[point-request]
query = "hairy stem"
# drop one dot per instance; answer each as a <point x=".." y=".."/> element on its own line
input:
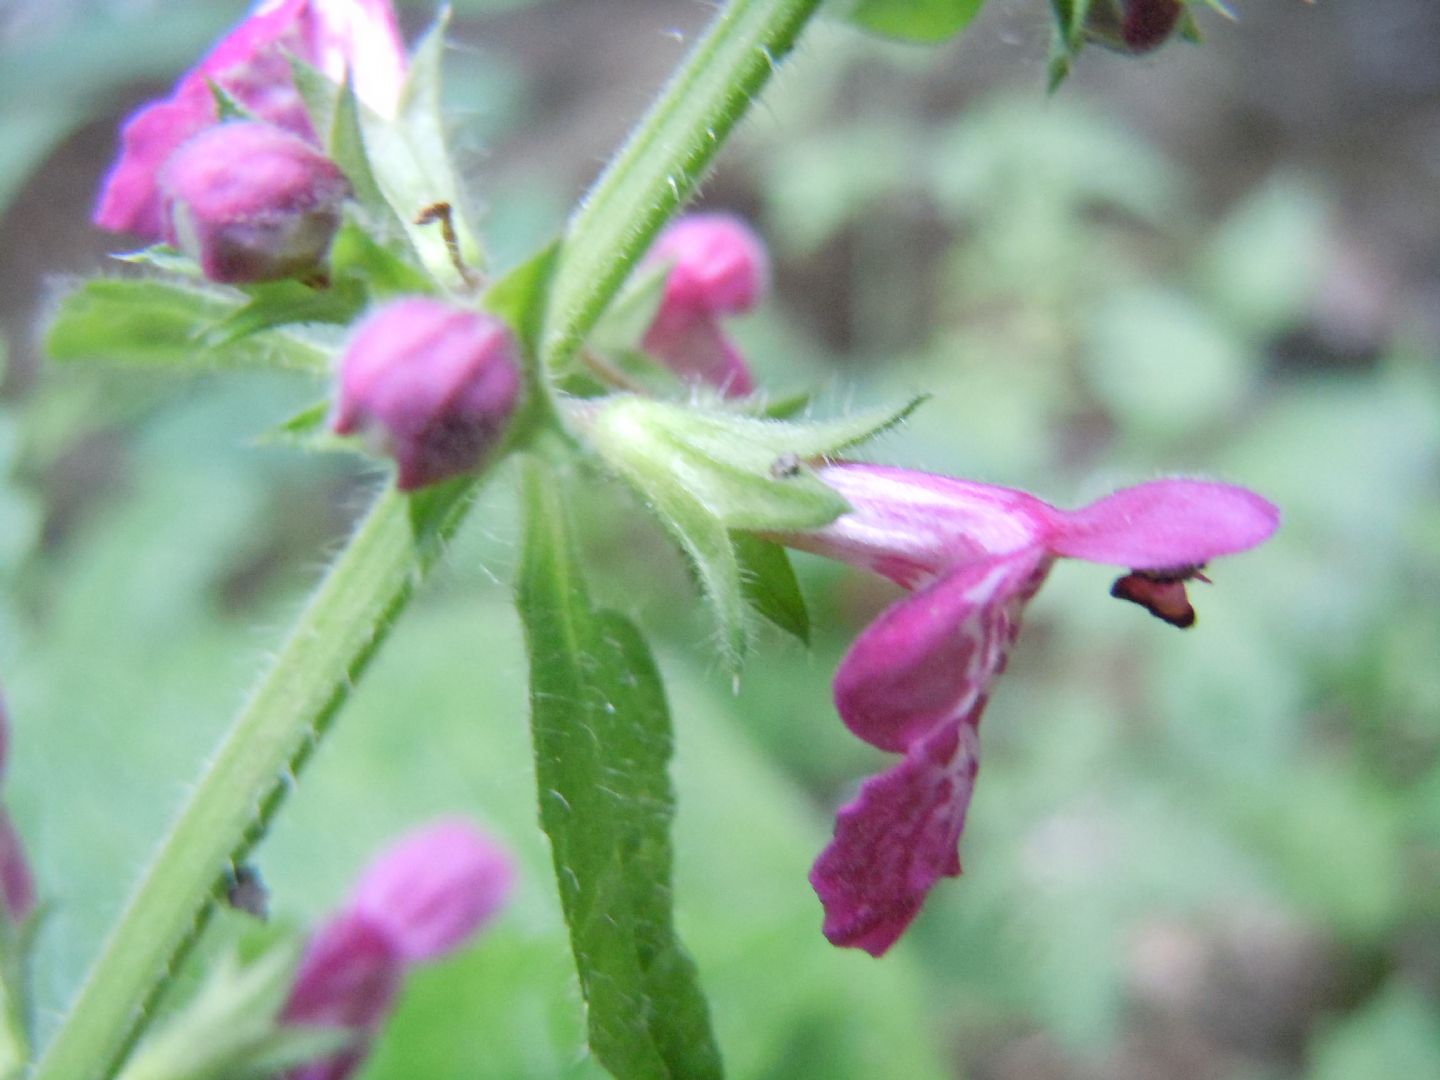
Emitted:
<point x="369" y="583"/>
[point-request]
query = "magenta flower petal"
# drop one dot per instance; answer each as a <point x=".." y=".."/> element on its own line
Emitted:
<point x="931" y="657"/>
<point x="718" y="266"/>
<point x="912" y="526"/>
<point x="1165" y="524"/>
<point x="130" y="198"/>
<point x="695" y="348"/>
<point x="348" y="978"/>
<point x="434" y="888"/>
<point x="897" y="839"/>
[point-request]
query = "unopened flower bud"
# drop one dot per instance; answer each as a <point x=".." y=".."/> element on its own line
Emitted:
<point x="1132" y="26"/>
<point x="420" y="898"/>
<point x="251" y="202"/>
<point x="438" y="383"/>
<point x="348" y="978"/>
<point x="718" y="266"/>
<point x="434" y="888"/>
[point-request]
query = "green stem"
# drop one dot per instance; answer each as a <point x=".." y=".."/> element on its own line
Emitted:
<point x="664" y="158"/>
<point x="329" y="647"/>
<point x="368" y="585"/>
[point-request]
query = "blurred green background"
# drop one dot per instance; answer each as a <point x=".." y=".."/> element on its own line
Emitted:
<point x="1203" y="854"/>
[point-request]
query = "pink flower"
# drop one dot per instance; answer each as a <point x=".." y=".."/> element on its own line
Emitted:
<point x="718" y="267"/>
<point x="434" y="887"/>
<point x="419" y="899"/>
<point x="251" y="64"/>
<point x="439" y="384"/>
<point x="348" y="978"/>
<point x="251" y="202"/>
<point x="916" y="680"/>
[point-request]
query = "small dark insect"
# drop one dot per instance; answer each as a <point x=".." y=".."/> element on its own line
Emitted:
<point x="1161" y="592"/>
<point x="244" y="891"/>
<point x="785" y="466"/>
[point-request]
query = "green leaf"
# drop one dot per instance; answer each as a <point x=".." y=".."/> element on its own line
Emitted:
<point x="602" y="740"/>
<point x="1068" y="38"/>
<point x="412" y="164"/>
<point x="280" y="303"/>
<point x="436" y="508"/>
<point x="914" y="20"/>
<point x="162" y="257"/>
<point x="768" y="583"/>
<point x="161" y="324"/>
<point x="519" y="297"/>
<point x="334" y="110"/>
<point x="226" y="107"/>
<point x="346" y="145"/>
<point x="357" y="255"/>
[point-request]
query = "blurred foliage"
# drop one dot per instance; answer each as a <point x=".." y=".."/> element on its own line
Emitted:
<point x="1231" y="833"/>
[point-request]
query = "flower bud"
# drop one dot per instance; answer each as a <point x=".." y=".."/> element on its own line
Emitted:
<point x="348" y="978"/>
<point x="251" y="202"/>
<point x="438" y="382"/>
<point x="718" y="266"/>
<point x="1132" y="26"/>
<point x="434" y="888"/>
<point x="350" y="39"/>
<point x="421" y="897"/>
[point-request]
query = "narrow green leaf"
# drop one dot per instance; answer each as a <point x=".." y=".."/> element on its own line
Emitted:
<point x="384" y="270"/>
<point x="346" y="145"/>
<point x="788" y="405"/>
<point x="320" y="95"/>
<point x="435" y="509"/>
<point x="412" y="164"/>
<point x="1067" y="40"/>
<point x="768" y="583"/>
<point x="335" y="111"/>
<point x="518" y="297"/>
<point x="710" y="548"/>
<point x="226" y="107"/>
<point x="280" y="303"/>
<point x="306" y="429"/>
<point x="602" y="750"/>
<point x="162" y="257"/>
<point x="914" y="20"/>
<point x="161" y="324"/>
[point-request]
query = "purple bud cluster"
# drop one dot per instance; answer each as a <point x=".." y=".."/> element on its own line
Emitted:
<point x="252" y="200"/>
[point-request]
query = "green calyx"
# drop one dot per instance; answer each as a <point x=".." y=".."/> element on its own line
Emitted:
<point x="707" y="471"/>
